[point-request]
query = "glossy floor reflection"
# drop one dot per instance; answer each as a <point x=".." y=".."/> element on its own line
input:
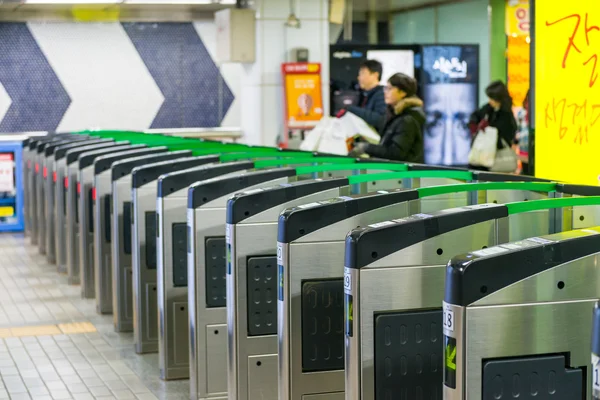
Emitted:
<point x="53" y="344"/>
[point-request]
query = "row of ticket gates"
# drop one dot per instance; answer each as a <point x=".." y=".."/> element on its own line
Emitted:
<point x="264" y="274"/>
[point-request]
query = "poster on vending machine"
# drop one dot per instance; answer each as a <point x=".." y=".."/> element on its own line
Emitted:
<point x="7" y="173"/>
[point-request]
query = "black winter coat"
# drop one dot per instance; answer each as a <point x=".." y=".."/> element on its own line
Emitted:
<point x="503" y="120"/>
<point x="374" y="106"/>
<point x="401" y="136"/>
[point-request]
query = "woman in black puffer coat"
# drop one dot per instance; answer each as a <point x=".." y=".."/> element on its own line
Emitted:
<point x="401" y="130"/>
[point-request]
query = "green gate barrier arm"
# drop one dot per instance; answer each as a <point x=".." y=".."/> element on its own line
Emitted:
<point x="208" y="146"/>
<point x="472" y="187"/>
<point x="356" y="167"/>
<point x="447" y="174"/>
<point x="244" y="153"/>
<point x="535" y="205"/>
<point x="320" y="160"/>
<point x="262" y="153"/>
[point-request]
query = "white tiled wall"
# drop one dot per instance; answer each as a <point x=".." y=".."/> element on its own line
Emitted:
<point x="262" y="93"/>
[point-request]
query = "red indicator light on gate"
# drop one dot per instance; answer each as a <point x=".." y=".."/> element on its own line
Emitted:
<point x="45" y="173"/>
<point x="54" y="177"/>
<point x="66" y="183"/>
<point x="94" y="194"/>
<point x="78" y="188"/>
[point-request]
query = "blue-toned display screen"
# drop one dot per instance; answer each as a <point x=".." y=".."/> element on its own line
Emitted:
<point x="449" y="85"/>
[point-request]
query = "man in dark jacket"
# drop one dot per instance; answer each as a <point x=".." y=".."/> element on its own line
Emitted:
<point x="371" y="106"/>
<point x="402" y="129"/>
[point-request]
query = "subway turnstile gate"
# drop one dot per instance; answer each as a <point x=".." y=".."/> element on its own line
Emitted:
<point x="145" y="307"/>
<point x="27" y="172"/>
<point x="312" y="280"/>
<point x="251" y="317"/>
<point x="172" y="264"/>
<point x="171" y="216"/>
<point x="102" y="210"/>
<point x="194" y="253"/>
<point x="42" y="190"/>
<point x="145" y="296"/>
<point x="145" y="303"/>
<point x="394" y="282"/>
<point x="516" y="317"/>
<point x="66" y="203"/>
<point x="206" y="260"/>
<point x="80" y="219"/>
<point x="63" y="155"/>
<point x="122" y="222"/>
<point x="36" y="203"/>
<point x="49" y="175"/>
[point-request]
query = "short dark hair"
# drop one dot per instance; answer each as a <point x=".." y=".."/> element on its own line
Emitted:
<point x="373" y="66"/>
<point x="498" y="91"/>
<point x="404" y="83"/>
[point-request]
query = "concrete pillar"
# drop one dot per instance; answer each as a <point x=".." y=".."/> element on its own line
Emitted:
<point x="262" y="89"/>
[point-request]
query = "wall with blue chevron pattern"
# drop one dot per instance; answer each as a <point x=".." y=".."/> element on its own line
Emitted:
<point x="72" y="76"/>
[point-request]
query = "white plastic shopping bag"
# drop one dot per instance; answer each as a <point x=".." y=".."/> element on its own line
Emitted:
<point x="335" y="135"/>
<point x="355" y="126"/>
<point x="483" y="151"/>
<point x="313" y="137"/>
<point x="333" y="140"/>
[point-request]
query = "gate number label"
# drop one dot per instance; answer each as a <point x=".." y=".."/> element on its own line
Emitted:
<point x="347" y="281"/>
<point x="449" y="320"/>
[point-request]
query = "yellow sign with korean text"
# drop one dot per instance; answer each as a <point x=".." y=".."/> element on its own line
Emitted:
<point x="567" y="90"/>
<point x="517" y="17"/>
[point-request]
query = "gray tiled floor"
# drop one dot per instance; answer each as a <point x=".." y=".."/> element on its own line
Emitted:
<point x="101" y="365"/>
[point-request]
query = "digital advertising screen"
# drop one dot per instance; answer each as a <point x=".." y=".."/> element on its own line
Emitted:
<point x="449" y="82"/>
<point x="345" y="61"/>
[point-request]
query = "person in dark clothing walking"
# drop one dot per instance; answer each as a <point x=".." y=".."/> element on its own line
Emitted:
<point x="401" y="129"/>
<point x="371" y="106"/>
<point x="498" y="114"/>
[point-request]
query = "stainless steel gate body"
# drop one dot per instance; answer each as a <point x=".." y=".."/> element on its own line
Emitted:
<point x="207" y="201"/>
<point x="28" y="144"/>
<point x="251" y="237"/>
<point x="102" y="210"/>
<point x="80" y="224"/>
<point x="63" y="155"/>
<point x="35" y="181"/>
<point x="400" y="281"/>
<point x="48" y="211"/>
<point x="51" y="182"/>
<point x="145" y="297"/>
<point x="122" y="223"/>
<point x="42" y="185"/>
<point x="28" y="151"/>
<point x="39" y="190"/>
<point x="171" y="206"/>
<point x="252" y="342"/>
<point x="311" y="245"/>
<point x="519" y="312"/>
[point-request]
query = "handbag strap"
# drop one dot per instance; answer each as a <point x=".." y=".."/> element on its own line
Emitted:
<point x="504" y="144"/>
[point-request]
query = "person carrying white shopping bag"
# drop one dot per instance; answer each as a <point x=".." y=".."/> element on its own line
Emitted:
<point x="495" y="128"/>
<point x="401" y="129"/>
